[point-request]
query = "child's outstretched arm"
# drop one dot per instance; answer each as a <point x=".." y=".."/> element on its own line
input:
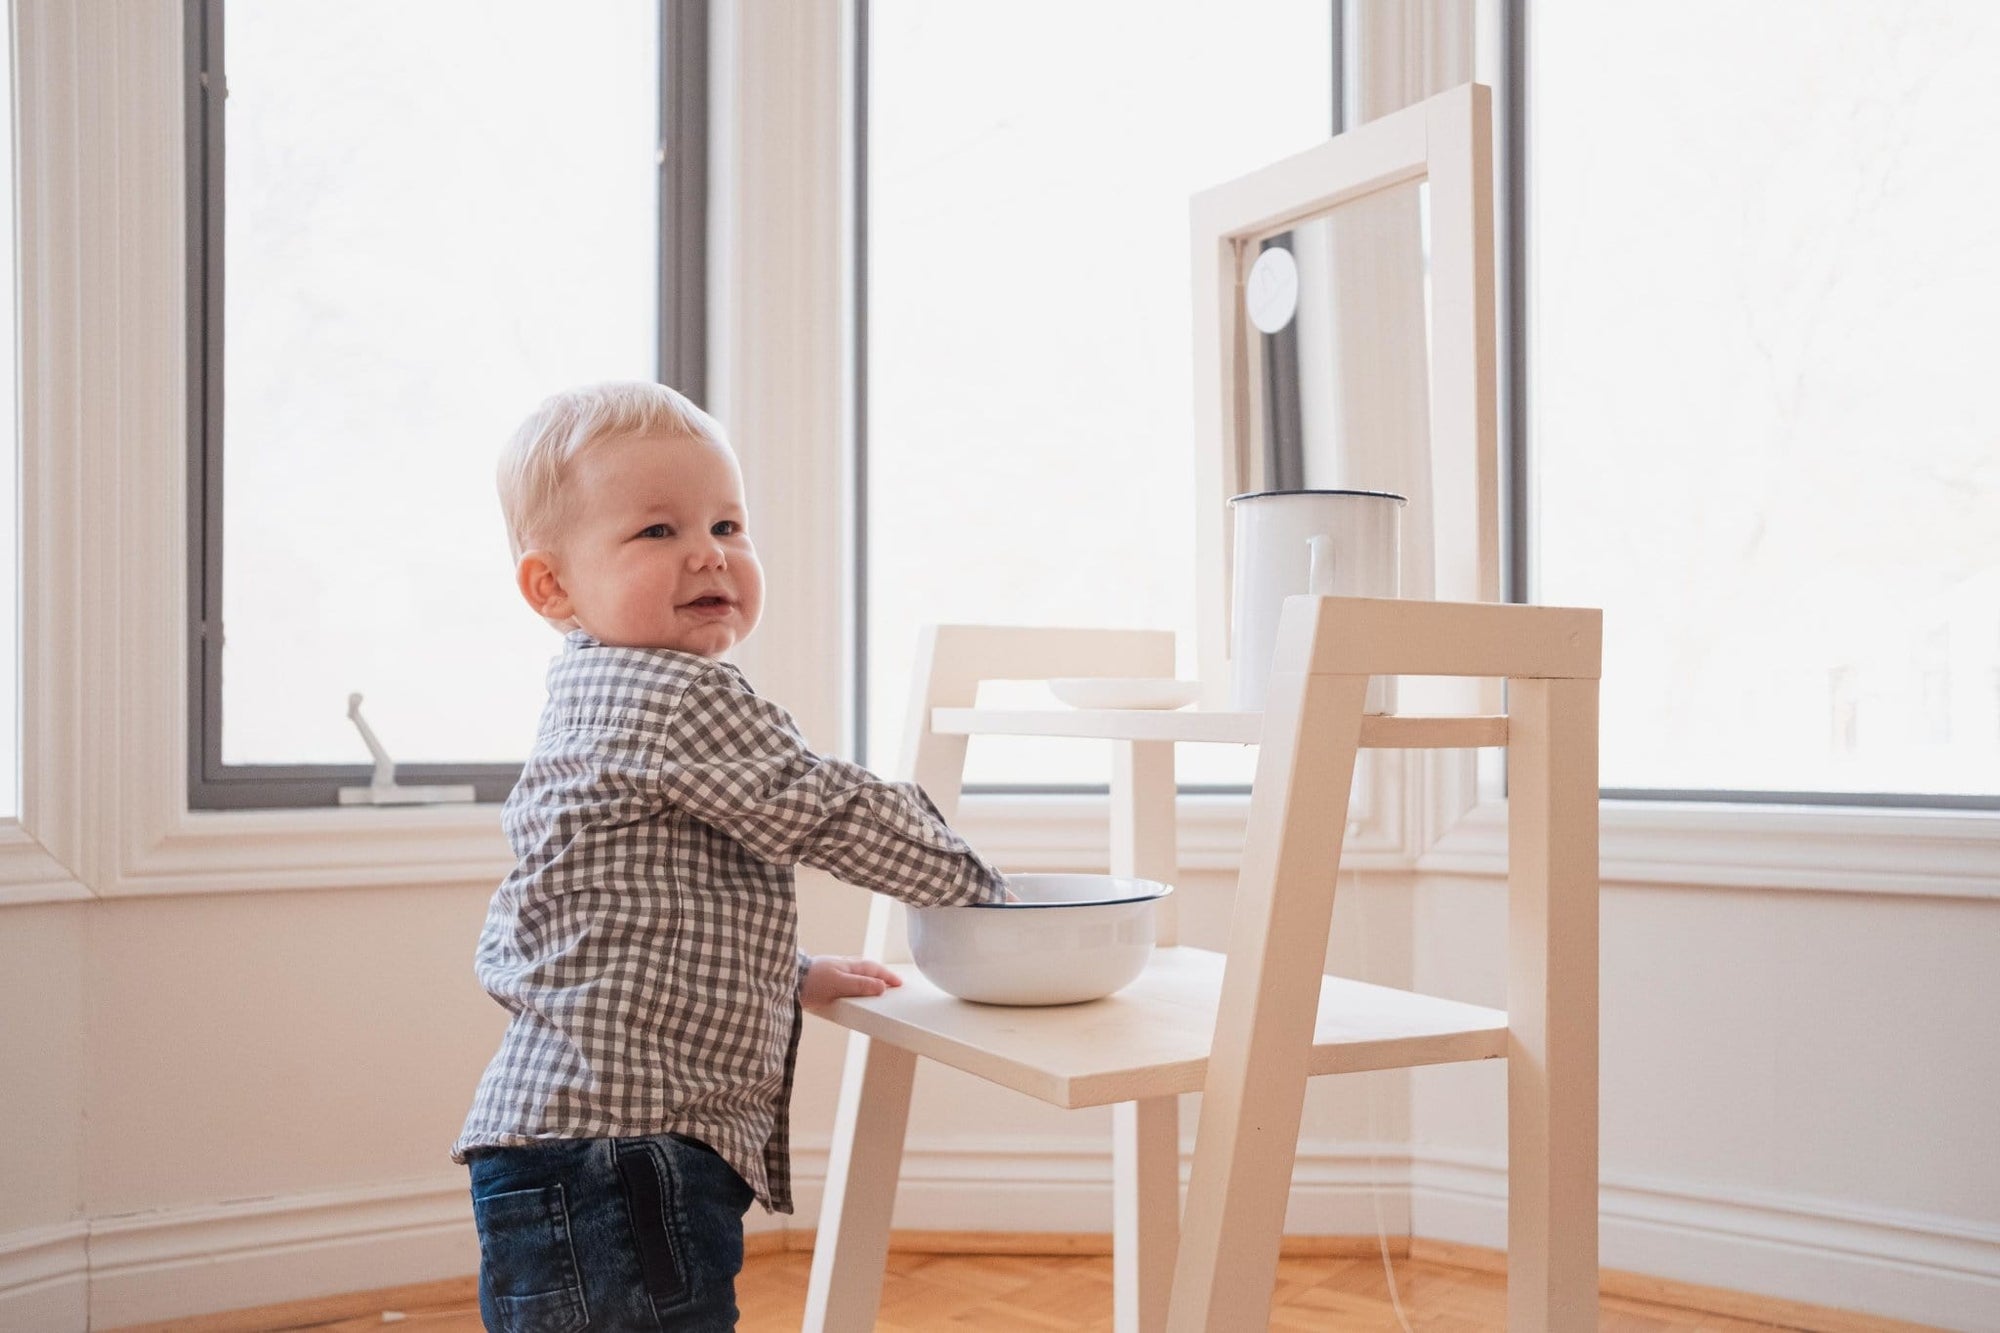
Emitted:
<point x="737" y="761"/>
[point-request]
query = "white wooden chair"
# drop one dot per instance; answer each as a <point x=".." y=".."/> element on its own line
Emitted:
<point x="1249" y="1026"/>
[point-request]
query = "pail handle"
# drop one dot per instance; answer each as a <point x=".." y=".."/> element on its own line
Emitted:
<point x="1319" y="566"/>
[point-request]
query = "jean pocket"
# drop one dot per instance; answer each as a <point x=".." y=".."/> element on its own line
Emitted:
<point x="528" y="1261"/>
<point x="650" y="1190"/>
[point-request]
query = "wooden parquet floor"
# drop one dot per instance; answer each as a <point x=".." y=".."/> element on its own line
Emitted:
<point x="955" y="1293"/>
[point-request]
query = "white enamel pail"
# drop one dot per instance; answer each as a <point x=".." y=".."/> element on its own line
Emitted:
<point x="1329" y="543"/>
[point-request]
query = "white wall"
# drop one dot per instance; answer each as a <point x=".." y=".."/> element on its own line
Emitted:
<point x="244" y="1098"/>
<point x="42" y="964"/>
<point x="1798" y="1092"/>
<point x="277" y="1044"/>
<point x="253" y="1101"/>
<point x="272" y="1070"/>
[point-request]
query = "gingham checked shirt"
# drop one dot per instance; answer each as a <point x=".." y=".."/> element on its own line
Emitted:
<point x="646" y="940"/>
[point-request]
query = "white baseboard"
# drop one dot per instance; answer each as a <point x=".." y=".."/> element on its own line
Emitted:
<point x="183" y="1261"/>
<point x="161" y="1265"/>
<point x="1035" y="1185"/>
<point x="45" y="1278"/>
<point x="229" y="1256"/>
<point x="1929" y="1269"/>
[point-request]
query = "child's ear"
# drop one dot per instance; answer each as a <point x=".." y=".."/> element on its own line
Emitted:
<point x="541" y="588"/>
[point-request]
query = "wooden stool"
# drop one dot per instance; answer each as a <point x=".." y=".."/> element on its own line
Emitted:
<point x="1248" y="1027"/>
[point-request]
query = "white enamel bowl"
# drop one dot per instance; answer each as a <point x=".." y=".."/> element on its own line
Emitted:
<point x="1070" y="938"/>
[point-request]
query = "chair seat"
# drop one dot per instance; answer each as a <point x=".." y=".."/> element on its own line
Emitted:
<point x="1152" y="1038"/>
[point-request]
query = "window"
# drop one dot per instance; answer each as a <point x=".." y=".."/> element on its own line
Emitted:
<point x="414" y="223"/>
<point x="10" y="473"/>
<point x="1026" y="444"/>
<point x="1760" y="276"/>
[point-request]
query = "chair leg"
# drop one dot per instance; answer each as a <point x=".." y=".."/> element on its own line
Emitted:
<point x="851" y="1249"/>
<point x="1146" y="1211"/>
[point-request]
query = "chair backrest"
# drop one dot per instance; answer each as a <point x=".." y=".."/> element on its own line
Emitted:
<point x="951" y="662"/>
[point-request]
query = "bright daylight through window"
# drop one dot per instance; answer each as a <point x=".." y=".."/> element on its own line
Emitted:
<point x="1030" y="452"/>
<point x="10" y="472"/>
<point x="1763" y="273"/>
<point x="436" y="215"/>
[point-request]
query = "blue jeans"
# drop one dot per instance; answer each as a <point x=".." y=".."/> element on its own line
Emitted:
<point x="608" y="1235"/>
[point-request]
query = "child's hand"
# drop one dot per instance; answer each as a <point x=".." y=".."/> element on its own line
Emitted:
<point x="833" y="978"/>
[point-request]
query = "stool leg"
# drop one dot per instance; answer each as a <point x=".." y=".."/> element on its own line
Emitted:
<point x="1552" y="1006"/>
<point x="1146" y="1211"/>
<point x="1145" y="1134"/>
<point x="851" y="1249"/>
<point x="1246" y="1140"/>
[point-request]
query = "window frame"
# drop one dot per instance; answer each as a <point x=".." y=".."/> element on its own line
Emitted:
<point x="858" y="426"/>
<point x="681" y="321"/>
<point x="1515" y="352"/>
<point x="104" y="417"/>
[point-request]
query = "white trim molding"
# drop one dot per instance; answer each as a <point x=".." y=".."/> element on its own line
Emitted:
<point x="226" y="1256"/>
<point x="46" y="855"/>
<point x="175" y="1262"/>
<point x="1898" y="853"/>
<point x="780" y="354"/>
<point x="1902" y="1265"/>
<point x="28" y="874"/>
<point x="45" y="1277"/>
<point x="260" y="850"/>
<point x="165" y="1264"/>
<point x="991" y="1183"/>
<point x="182" y="1261"/>
<point x="1037" y="833"/>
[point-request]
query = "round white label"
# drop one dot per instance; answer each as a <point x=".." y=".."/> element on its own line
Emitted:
<point x="1272" y="293"/>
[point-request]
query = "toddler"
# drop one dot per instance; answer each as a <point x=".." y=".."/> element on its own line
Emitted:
<point x="645" y="940"/>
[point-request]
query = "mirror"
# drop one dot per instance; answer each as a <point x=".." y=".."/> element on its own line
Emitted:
<point x="1361" y="359"/>
<point x="1337" y="348"/>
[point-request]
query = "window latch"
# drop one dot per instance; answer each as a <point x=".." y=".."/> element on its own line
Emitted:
<point x="383" y="789"/>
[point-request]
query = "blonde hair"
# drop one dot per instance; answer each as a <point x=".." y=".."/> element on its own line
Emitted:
<point x="536" y="459"/>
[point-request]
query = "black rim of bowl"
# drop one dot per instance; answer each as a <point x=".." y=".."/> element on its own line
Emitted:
<point x="1165" y="889"/>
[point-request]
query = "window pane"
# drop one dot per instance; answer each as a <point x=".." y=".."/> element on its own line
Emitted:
<point x="1764" y="270"/>
<point x="1030" y="449"/>
<point x="437" y="214"/>
<point x="10" y="472"/>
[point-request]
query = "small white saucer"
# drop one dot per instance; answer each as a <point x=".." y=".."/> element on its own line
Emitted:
<point x="1124" y="692"/>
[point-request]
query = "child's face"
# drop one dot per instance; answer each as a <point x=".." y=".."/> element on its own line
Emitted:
<point x="654" y="550"/>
